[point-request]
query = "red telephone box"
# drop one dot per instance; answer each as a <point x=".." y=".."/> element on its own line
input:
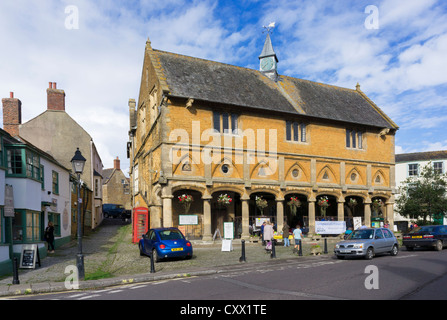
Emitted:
<point x="140" y="223"/>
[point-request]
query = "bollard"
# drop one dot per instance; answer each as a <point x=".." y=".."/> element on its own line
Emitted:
<point x="325" y="246"/>
<point x="273" y="255"/>
<point x="15" y="272"/>
<point x="300" y="250"/>
<point x="152" y="262"/>
<point x="242" y="258"/>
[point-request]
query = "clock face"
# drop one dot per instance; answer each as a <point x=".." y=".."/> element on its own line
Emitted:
<point x="267" y="64"/>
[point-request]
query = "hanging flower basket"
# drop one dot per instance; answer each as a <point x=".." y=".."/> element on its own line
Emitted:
<point x="261" y="203"/>
<point x="294" y="203"/>
<point x="352" y="202"/>
<point x="224" y="200"/>
<point x="323" y="203"/>
<point x="185" y="200"/>
<point x="377" y="205"/>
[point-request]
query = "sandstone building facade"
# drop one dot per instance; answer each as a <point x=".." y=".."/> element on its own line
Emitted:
<point x="217" y="132"/>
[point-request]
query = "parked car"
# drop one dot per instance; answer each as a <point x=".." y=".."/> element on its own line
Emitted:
<point x="367" y="243"/>
<point x="426" y="236"/>
<point x="111" y="210"/>
<point x="165" y="243"/>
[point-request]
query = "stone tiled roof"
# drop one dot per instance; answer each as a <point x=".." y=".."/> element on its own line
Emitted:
<point x="422" y="156"/>
<point x="211" y="81"/>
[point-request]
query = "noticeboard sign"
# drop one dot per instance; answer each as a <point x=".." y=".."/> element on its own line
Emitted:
<point x="29" y="256"/>
<point x="228" y="230"/>
<point x="185" y="219"/>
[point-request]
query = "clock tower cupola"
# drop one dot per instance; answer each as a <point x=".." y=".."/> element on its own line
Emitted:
<point x="268" y="59"/>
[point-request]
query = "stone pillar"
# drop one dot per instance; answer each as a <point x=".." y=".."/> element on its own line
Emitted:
<point x="207" y="236"/>
<point x="341" y="210"/>
<point x="156" y="216"/>
<point x="245" y="218"/>
<point x="279" y="215"/>
<point x="311" y="214"/>
<point x="390" y="214"/>
<point x="167" y="210"/>
<point x="367" y="218"/>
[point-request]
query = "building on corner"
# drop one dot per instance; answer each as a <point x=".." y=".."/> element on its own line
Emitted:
<point x="229" y="137"/>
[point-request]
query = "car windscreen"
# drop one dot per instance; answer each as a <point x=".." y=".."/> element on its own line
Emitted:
<point x="362" y="234"/>
<point x="423" y="229"/>
<point x="170" y="235"/>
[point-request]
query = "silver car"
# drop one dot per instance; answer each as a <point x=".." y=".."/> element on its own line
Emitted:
<point x="367" y="243"/>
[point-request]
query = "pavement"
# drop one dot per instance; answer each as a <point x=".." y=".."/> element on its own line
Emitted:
<point x="110" y="259"/>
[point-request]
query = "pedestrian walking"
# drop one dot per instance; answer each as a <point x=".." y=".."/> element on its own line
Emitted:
<point x="262" y="233"/>
<point x="285" y="234"/>
<point x="297" y="233"/>
<point x="49" y="236"/>
<point x="268" y="235"/>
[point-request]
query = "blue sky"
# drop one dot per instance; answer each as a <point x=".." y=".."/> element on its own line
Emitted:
<point x="400" y="63"/>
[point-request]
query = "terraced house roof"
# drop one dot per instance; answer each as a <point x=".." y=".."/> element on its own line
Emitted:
<point x="212" y="81"/>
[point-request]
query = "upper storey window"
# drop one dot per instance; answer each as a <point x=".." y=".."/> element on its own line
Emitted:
<point x="295" y="131"/>
<point x="354" y="139"/>
<point x="224" y="122"/>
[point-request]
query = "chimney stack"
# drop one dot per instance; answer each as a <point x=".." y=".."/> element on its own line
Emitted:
<point x="116" y="164"/>
<point x="55" y="98"/>
<point x="12" y="114"/>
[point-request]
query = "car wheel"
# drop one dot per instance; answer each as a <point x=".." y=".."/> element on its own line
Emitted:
<point x="155" y="255"/>
<point x="394" y="251"/>
<point x="369" y="254"/>
<point x="438" y="246"/>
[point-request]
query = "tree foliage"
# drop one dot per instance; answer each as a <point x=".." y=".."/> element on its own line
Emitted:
<point x="423" y="196"/>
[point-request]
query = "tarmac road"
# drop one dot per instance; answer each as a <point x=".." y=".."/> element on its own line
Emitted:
<point x="214" y="275"/>
<point x="411" y="275"/>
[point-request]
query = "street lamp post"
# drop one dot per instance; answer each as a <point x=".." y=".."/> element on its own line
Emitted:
<point x="78" y="162"/>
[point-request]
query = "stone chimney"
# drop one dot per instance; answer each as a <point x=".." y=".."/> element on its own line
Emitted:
<point x="55" y="98"/>
<point x="116" y="164"/>
<point x="12" y="114"/>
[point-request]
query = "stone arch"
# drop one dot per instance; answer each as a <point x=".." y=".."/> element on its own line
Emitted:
<point x="359" y="180"/>
<point x="261" y="165"/>
<point x="379" y="174"/>
<point x="226" y="160"/>
<point x="187" y="158"/>
<point x="331" y="176"/>
<point x="296" y="165"/>
<point x="188" y="186"/>
<point x="276" y="193"/>
<point x="231" y="188"/>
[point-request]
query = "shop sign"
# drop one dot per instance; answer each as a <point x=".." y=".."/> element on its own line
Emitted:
<point x="9" y="202"/>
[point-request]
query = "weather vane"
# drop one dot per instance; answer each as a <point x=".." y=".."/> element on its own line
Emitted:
<point x="269" y="27"/>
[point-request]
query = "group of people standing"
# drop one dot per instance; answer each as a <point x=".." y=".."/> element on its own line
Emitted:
<point x="268" y="232"/>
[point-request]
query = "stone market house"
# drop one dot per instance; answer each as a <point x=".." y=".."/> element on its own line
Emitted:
<point x="208" y="129"/>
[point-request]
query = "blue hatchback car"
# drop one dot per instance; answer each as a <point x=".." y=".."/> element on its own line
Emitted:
<point x="165" y="243"/>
